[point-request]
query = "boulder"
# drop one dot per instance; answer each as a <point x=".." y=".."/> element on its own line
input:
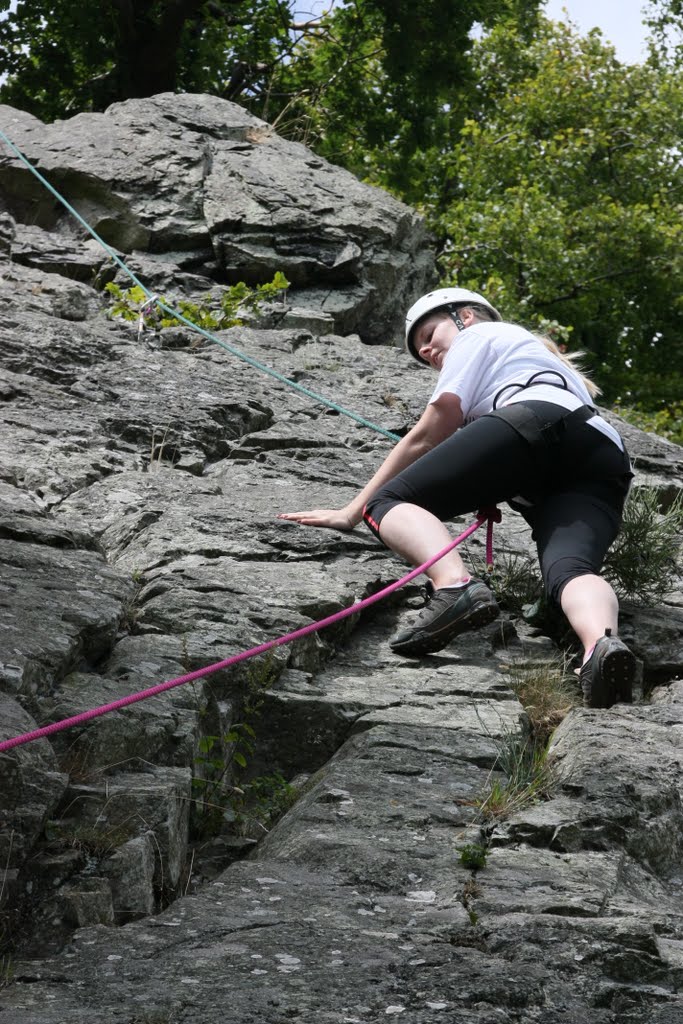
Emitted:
<point x="238" y="203"/>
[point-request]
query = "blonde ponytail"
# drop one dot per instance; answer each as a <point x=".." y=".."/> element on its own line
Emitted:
<point x="571" y="360"/>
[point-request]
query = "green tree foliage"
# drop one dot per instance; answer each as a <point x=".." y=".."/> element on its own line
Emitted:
<point x="376" y="83"/>
<point x="665" y="20"/>
<point x="64" y="56"/>
<point x="561" y="199"/>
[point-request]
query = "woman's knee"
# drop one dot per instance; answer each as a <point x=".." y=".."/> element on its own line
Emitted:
<point x="377" y="507"/>
<point x="558" y="575"/>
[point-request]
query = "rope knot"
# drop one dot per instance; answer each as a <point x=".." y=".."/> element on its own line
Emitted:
<point x="493" y="514"/>
<point x="490" y="515"/>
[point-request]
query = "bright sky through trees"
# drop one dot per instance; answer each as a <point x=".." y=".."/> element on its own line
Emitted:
<point x="620" y="22"/>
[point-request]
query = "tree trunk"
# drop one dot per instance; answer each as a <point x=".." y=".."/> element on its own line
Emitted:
<point x="148" y="47"/>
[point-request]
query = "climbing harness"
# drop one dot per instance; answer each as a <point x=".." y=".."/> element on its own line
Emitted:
<point x="532" y="427"/>
<point x="488" y="516"/>
<point x="534" y="382"/>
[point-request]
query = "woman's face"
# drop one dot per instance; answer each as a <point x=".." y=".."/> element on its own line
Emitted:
<point x="433" y="338"/>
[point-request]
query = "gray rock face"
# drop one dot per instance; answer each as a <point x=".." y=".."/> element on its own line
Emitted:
<point x="140" y="478"/>
<point x="32" y="786"/>
<point x="206" y="189"/>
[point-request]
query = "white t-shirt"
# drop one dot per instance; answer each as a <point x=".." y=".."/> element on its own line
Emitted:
<point x="487" y="357"/>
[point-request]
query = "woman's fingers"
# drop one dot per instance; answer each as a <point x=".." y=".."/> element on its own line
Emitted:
<point x="332" y="518"/>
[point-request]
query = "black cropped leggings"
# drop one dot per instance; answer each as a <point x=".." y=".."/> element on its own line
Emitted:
<point x="573" y="486"/>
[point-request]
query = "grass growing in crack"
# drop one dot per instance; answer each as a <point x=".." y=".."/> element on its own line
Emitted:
<point x="527" y="778"/>
<point x="547" y="691"/>
<point x="516" y="584"/>
<point x="515" y="581"/>
<point x="95" y="840"/>
<point x="471" y="890"/>
<point x="6" y="971"/>
<point x="164" y="451"/>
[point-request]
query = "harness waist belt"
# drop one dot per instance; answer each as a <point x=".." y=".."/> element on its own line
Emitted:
<point x="533" y="429"/>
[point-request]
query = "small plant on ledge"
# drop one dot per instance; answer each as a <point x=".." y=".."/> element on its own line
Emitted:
<point x="133" y="305"/>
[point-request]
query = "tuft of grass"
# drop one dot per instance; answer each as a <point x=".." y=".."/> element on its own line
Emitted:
<point x="471" y="890"/>
<point x="515" y="580"/>
<point x="473" y="856"/>
<point x="163" y="450"/>
<point x="644" y="561"/>
<point x="547" y="690"/>
<point x="528" y="779"/>
<point x="94" y="840"/>
<point x="6" y="971"/>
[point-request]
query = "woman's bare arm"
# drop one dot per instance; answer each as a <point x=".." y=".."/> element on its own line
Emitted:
<point x="439" y="420"/>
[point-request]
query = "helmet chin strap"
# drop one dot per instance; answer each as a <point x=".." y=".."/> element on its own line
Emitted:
<point x="455" y="317"/>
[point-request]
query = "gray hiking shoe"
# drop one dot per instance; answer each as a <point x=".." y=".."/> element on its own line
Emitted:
<point x="607" y="676"/>
<point x="446" y="614"/>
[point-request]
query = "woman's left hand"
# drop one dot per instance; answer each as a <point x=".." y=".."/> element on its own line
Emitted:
<point x="331" y="518"/>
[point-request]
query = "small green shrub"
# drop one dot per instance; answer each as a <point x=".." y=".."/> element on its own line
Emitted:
<point x="643" y="563"/>
<point x="132" y="303"/>
<point x="261" y="801"/>
<point x="473" y="856"/>
<point x="666" y="422"/>
<point x="223" y="793"/>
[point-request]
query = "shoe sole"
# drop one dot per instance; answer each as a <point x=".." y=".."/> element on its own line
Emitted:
<point x="613" y="680"/>
<point x="438" y="639"/>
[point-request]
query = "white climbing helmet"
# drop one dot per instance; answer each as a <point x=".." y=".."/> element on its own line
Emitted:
<point x="444" y="298"/>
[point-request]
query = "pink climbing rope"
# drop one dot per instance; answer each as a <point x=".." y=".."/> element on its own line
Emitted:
<point x="493" y="515"/>
<point x="489" y="515"/>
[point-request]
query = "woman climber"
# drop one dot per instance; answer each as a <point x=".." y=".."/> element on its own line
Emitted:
<point x="510" y="420"/>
